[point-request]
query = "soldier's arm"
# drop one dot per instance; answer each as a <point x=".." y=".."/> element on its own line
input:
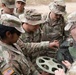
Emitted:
<point x="33" y="47"/>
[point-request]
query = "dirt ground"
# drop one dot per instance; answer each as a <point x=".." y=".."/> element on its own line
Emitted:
<point x="70" y="7"/>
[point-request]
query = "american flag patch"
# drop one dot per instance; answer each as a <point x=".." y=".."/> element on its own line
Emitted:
<point x="8" y="71"/>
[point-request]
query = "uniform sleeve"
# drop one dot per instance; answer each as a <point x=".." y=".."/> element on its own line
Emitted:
<point x="11" y="65"/>
<point x="32" y="47"/>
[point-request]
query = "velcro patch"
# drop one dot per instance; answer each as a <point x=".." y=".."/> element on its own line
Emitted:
<point x="8" y="71"/>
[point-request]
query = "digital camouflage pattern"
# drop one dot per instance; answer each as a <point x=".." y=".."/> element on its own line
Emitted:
<point x="34" y="50"/>
<point x="12" y="57"/>
<point x="39" y="47"/>
<point x="32" y="17"/>
<point x="15" y="60"/>
<point x="32" y="36"/>
<point x="54" y="30"/>
<point x="27" y="48"/>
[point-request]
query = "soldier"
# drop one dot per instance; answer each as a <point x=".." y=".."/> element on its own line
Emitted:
<point x="19" y="7"/>
<point x="71" y="27"/>
<point x="7" y="7"/>
<point x="12" y="58"/>
<point x="32" y="20"/>
<point x="54" y="26"/>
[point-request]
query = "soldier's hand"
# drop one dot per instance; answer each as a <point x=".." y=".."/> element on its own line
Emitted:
<point x="59" y="72"/>
<point x="67" y="64"/>
<point x="54" y="45"/>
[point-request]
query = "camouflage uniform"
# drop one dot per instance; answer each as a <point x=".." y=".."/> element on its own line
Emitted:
<point x="16" y="13"/>
<point x="32" y="40"/>
<point x="16" y="61"/>
<point x="12" y="58"/>
<point x="34" y="50"/>
<point x="32" y="37"/>
<point x="20" y="65"/>
<point x="54" y="30"/>
<point x="36" y="37"/>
